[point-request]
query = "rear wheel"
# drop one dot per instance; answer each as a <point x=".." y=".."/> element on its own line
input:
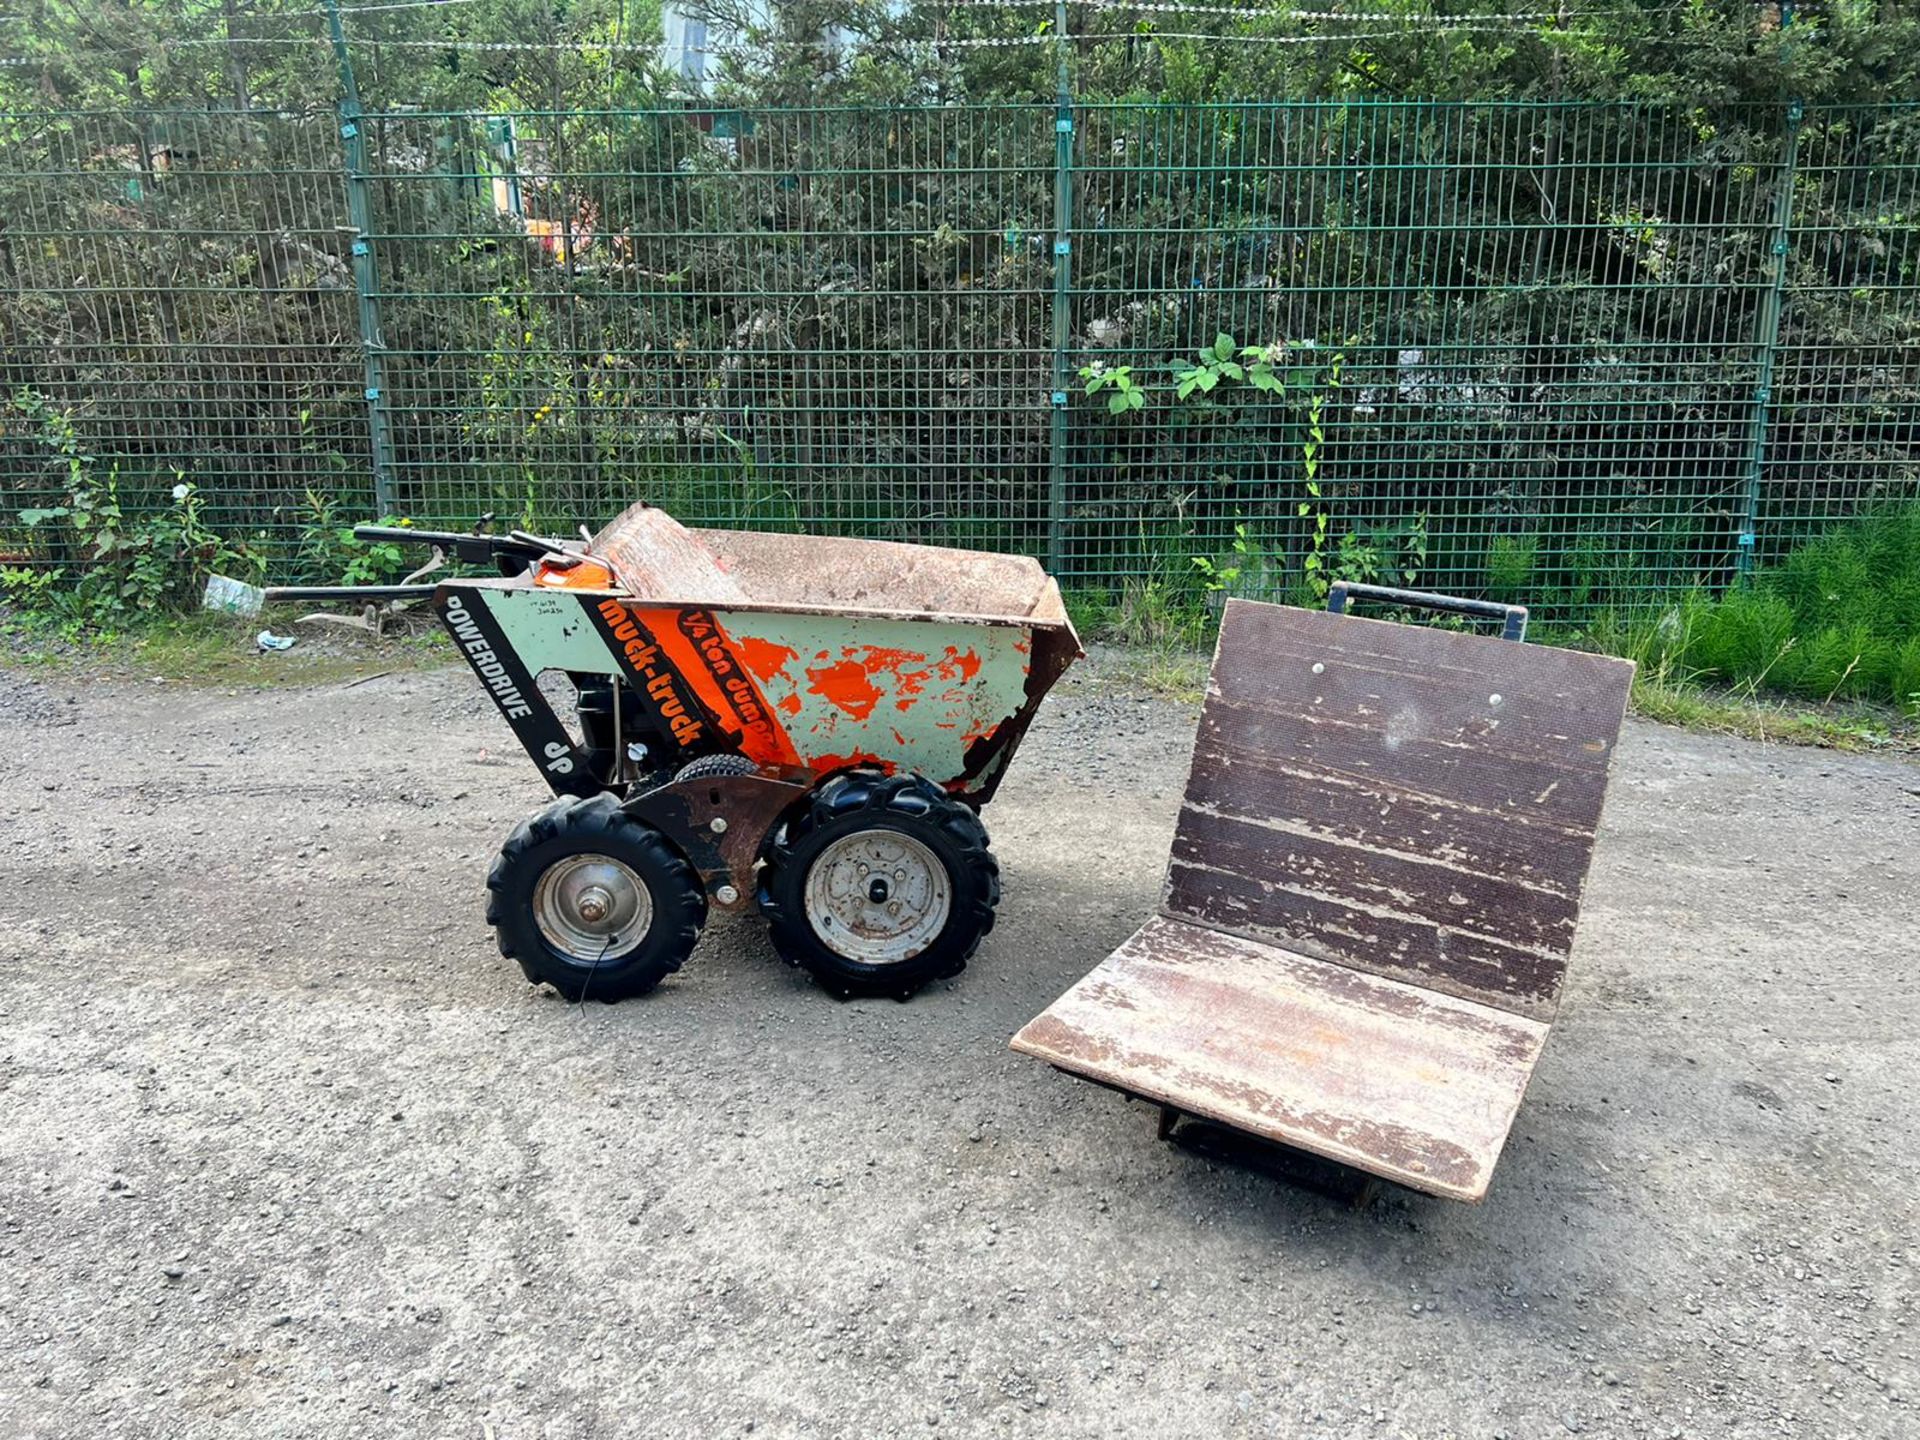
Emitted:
<point x="881" y="886"/>
<point x="593" y="901"/>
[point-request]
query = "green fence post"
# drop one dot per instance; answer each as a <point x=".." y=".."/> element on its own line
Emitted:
<point x="1062" y="300"/>
<point x="1767" y="343"/>
<point x="366" y="274"/>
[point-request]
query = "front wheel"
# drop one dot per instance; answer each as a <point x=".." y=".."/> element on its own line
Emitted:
<point x="593" y="901"/>
<point x="880" y="886"/>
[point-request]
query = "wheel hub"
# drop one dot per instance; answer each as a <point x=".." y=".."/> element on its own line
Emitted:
<point x="878" y="896"/>
<point x="591" y="907"/>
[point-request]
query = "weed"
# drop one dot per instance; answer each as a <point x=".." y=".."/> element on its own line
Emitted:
<point x="206" y="649"/>
<point x="1124" y="394"/>
<point x="1151" y="616"/>
<point x="1510" y="565"/>
<point x="125" y="562"/>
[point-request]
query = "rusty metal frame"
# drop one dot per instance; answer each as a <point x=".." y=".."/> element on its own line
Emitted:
<point x="721" y="824"/>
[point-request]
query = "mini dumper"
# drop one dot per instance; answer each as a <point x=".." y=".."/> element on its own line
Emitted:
<point x="803" y="723"/>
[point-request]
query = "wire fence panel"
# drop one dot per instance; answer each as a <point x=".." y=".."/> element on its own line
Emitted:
<point x="829" y="318"/>
<point x="177" y="309"/>
<point x="1487" y="367"/>
<point x="1582" y="355"/>
<point x="1846" y="402"/>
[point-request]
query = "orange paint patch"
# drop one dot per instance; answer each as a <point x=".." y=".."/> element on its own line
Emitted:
<point x="961" y="665"/>
<point x="764" y="658"/>
<point x="846" y="686"/>
<point x="977" y="731"/>
<point x="582" y="575"/>
<point x="910" y="669"/>
<point x="789" y="706"/>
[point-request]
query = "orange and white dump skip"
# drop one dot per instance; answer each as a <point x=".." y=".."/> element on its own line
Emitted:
<point x="801" y="652"/>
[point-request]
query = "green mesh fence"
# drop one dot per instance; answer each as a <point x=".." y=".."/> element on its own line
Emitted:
<point x="176" y="304"/>
<point x="825" y="318"/>
<point x="1585" y="355"/>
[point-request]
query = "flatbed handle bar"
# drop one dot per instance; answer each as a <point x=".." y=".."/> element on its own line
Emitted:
<point x="1512" y="618"/>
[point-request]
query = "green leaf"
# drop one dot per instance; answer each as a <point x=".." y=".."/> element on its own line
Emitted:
<point x="1116" y="402"/>
<point x="40" y="517"/>
<point x="1232" y="371"/>
<point x="1206" y="379"/>
<point x="1223" y="346"/>
<point x="1137" y="398"/>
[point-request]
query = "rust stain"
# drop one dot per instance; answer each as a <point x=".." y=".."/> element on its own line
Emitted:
<point x="764" y="658"/>
<point x="826" y="764"/>
<point x="847" y="686"/>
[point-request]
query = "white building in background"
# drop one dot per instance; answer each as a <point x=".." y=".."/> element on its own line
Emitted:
<point x="691" y="45"/>
<point x="685" y="47"/>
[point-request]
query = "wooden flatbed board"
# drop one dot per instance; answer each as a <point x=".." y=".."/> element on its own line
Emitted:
<point x="1371" y="895"/>
<point x="1396" y="1080"/>
<point x="1413" y="802"/>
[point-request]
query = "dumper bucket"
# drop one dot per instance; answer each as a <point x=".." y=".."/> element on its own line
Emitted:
<point x="1371" y="897"/>
<point x="804" y="655"/>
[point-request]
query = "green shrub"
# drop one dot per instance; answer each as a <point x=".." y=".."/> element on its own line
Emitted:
<point x="1903" y="673"/>
<point x="1837" y="661"/>
<point x="1744" y="636"/>
<point x="1510" y="562"/>
<point x="1838" y="618"/>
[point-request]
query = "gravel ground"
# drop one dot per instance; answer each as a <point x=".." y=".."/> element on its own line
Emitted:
<point x="287" y="1149"/>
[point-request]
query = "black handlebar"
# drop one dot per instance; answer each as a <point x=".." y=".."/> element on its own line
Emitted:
<point x="1512" y="618"/>
<point x="468" y="548"/>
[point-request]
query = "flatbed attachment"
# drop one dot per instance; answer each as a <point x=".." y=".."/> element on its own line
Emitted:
<point x="1371" y="896"/>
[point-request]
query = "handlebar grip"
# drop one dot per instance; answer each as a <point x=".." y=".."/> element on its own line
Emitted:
<point x="1512" y="618"/>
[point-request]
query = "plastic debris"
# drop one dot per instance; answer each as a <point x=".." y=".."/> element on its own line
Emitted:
<point x="232" y="597"/>
<point x="267" y="640"/>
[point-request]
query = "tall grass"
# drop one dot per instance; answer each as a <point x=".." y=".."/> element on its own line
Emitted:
<point x="1837" y="619"/>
